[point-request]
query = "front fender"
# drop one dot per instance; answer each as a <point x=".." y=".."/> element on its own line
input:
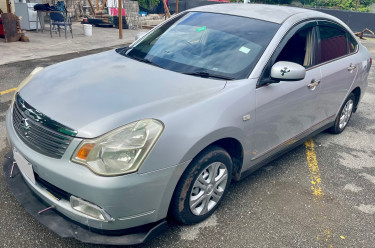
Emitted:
<point x="227" y="132"/>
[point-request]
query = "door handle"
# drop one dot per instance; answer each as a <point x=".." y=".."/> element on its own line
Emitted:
<point x="313" y="84"/>
<point x="351" y="67"/>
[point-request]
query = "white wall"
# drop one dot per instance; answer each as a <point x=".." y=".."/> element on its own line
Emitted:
<point x="3" y="5"/>
<point x="372" y="7"/>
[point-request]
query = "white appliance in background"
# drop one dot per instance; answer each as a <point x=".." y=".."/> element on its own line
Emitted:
<point x="29" y="15"/>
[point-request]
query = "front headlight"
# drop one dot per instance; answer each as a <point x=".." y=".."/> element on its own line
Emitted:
<point x="120" y="151"/>
<point x="26" y="81"/>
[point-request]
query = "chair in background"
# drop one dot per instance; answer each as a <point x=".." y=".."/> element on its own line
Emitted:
<point x="58" y="20"/>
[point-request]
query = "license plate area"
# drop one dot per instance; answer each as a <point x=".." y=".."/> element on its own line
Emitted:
<point x="24" y="166"/>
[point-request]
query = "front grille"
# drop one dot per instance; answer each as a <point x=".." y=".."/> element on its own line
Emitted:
<point x="35" y="130"/>
<point x="55" y="191"/>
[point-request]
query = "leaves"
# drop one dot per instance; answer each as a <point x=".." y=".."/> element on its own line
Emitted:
<point x="363" y="6"/>
<point x="148" y="4"/>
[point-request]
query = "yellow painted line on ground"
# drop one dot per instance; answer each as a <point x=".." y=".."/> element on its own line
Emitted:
<point x="316" y="187"/>
<point x="314" y="169"/>
<point x="7" y="91"/>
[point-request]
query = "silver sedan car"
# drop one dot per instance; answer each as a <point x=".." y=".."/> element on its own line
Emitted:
<point x="106" y="146"/>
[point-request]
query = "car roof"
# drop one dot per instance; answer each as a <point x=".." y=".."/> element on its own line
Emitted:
<point x="272" y="13"/>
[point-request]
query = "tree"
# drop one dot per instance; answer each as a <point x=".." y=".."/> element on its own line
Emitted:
<point x="148" y="4"/>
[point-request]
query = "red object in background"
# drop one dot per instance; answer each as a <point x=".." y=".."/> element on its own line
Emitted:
<point x="114" y="11"/>
<point x="1" y="28"/>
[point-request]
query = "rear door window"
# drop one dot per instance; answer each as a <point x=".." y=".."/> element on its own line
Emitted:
<point x="353" y="44"/>
<point x="333" y="43"/>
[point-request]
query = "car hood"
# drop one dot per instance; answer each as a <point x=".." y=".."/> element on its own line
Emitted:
<point x="98" y="93"/>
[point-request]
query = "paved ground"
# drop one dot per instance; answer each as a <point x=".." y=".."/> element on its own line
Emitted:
<point x="42" y="45"/>
<point x="274" y="207"/>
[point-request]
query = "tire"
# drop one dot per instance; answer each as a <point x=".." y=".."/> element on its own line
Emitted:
<point x="199" y="193"/>
<point x="344" y="115"/>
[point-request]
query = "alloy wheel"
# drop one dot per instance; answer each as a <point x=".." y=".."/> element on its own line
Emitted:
<point x="208" y="188"/>
<point x="346" y="113"/>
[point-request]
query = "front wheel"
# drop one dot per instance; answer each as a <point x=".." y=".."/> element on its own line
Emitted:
<point x="344" y="115"/>
<point x="202" y="187"/>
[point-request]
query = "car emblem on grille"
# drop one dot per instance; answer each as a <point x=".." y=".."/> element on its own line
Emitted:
<point x="26" y="126"/>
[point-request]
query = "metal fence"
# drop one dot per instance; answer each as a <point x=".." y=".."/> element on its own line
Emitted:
<point x="188" y="4"/>
<point x="357" y="21"/>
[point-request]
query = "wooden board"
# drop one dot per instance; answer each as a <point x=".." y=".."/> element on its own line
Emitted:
<point x="10" y="27"/>
<point x="105" y="1"/>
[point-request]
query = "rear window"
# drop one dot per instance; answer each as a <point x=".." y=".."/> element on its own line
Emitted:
<point x="332" y="43"/>
<point x="353" y="44"/>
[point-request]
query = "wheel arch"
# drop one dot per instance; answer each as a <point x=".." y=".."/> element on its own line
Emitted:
<point x="357" y="94"/>
<point x="235" y="150"/>
<point x="233" y="144"/>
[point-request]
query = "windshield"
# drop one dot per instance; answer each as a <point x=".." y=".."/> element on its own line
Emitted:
<point x="206" y="44"/>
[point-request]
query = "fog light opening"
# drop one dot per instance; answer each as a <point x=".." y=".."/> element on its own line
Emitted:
<point x="89" y="209"/>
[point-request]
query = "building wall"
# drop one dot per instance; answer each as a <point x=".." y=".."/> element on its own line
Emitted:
<point x="73" y="5"/>
<point x="74" y="9"/>
<point x="3" y="5"/>
<point x="372" y="8"/>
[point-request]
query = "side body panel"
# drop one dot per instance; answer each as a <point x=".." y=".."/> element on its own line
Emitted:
<point x="223" y="117"/>
<point x="338" y="74"/>
<point x="324" y="117"/>
<point x="336" y="83"/>
<point x="283" y="111"/>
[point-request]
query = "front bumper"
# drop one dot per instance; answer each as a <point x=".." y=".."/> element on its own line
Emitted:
<point x="132" y="200"/>
<point x="67" y="228"/>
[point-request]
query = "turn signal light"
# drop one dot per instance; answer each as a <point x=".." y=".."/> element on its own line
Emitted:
<point x="84" y="151"/>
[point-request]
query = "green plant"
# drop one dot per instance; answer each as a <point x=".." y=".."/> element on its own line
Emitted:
<point x="363" y="6"/>
<point x="148" y="4"/>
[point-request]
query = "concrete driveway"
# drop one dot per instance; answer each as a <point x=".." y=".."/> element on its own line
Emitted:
<point x="321" y="194"/>
<point x="41" y="44"/>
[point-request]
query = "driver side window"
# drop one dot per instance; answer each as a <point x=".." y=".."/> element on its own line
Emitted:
<point x="300" y="48"/>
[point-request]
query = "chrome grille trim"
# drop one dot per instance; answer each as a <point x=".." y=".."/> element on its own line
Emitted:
<point x="35" y="130"/>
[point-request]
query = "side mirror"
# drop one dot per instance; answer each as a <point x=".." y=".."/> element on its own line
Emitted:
<point x="287" y="71"/>
<point x="140" y="35"/>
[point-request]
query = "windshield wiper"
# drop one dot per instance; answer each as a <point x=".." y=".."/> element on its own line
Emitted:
<point x="122" y="50"/>
<point x="147" y="61"/>
<point x="205" y="74"/>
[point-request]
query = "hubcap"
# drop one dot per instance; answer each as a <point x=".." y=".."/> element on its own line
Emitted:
<point x="208" y="188"/>
<point x="346" y="113"/>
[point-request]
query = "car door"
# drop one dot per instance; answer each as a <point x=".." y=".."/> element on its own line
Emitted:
<point x="286" y="109"/>
<point x="337" y="51"/>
